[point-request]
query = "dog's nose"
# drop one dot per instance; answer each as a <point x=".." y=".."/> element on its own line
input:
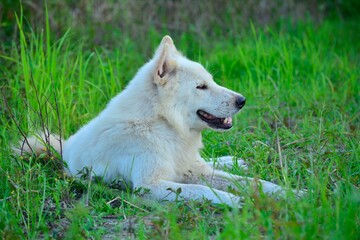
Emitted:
<point x="240" y="102"/>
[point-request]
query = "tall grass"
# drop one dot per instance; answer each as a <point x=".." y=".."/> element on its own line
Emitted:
<point x="300" y="128"/>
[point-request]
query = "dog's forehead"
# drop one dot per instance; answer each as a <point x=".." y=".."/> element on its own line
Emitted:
<point x="197" y="70"/>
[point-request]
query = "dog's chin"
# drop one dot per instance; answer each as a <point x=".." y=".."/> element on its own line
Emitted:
<point x="216" y="123"/>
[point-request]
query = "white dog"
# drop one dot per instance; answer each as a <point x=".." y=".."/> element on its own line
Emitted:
<point x="150" y="134"/>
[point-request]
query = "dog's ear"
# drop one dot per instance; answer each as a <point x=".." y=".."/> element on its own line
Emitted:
<point x="165" y="60"/>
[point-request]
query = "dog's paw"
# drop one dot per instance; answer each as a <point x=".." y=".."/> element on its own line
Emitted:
<point x="283" y="194"/>
<point x="229" y="162"/>
<point x="300" y="193"/>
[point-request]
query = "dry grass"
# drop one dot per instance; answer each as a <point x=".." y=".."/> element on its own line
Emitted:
<point x="104" y="22"/>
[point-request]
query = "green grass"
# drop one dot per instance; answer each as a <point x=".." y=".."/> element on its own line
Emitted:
<point x="299" y="128"/>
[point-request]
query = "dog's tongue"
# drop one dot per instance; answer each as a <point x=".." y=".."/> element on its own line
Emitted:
<point x="227" y="120"/>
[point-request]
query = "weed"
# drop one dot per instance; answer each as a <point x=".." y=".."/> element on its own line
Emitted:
<point x="300" y="128"/>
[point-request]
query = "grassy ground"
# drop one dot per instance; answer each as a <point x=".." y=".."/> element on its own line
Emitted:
<point x="300" y="128"/>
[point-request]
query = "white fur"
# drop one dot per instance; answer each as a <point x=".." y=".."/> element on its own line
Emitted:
<point x="150" y="135"/>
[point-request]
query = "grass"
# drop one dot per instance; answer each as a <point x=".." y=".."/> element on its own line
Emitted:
<point x="300" y="128"/>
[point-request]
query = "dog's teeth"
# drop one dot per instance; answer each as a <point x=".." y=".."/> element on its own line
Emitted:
<point x="208" y="116"/>
<point x="227" y="120"/>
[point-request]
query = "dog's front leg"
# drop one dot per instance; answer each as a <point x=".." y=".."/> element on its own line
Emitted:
<point x="268" y="188"/>
<point x="168" y="190"/>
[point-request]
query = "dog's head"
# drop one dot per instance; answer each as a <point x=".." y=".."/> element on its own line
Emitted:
<point x="188" y="94"/>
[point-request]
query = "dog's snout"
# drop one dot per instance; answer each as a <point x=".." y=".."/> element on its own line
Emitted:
<point x="240" y="102"/>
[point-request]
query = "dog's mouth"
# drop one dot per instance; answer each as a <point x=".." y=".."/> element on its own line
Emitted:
<point x="215" y="122"/>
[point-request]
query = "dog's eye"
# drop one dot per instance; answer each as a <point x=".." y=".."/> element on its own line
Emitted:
<point x="202" y="87"/>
